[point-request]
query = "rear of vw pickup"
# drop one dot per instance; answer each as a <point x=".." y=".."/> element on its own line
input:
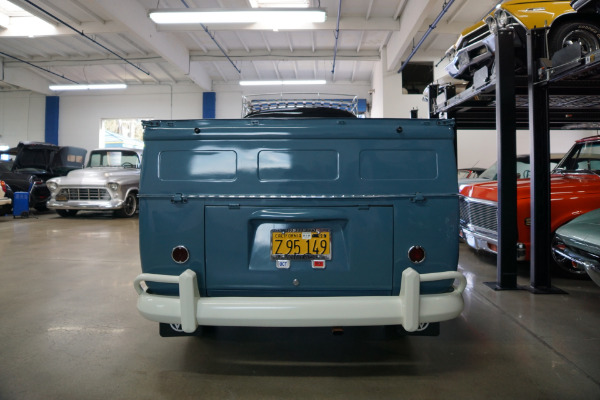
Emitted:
<point x="327" y="222"/>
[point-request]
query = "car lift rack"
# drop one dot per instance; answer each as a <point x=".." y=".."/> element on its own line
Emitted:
<point x="562" y="93"/>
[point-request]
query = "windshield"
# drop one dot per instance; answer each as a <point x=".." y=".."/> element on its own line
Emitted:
<point x="33" y="160"/>
<point x="583" y="157"/>
<point x="114" y="158"/>
<point x="523" y="169"/>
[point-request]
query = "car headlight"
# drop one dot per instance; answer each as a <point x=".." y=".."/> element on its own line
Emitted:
<point x="463" y="59"/>
<point x="52" y="186"/>
<point x="492" y="24"/>
<point x="113" y="186"/>
<point x="502" y="18"/>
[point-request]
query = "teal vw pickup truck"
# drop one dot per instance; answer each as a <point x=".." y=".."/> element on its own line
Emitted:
<point x="289" y="222"/>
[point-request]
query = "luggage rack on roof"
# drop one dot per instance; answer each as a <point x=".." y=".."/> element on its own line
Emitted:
<point x="285" y="101"/>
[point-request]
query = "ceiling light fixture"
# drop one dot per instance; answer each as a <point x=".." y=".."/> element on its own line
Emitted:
<point x="57" y="88"/>
<point x="280" y="3"/>
<point x="286" y="82"/>
<point x="280" y="16"/>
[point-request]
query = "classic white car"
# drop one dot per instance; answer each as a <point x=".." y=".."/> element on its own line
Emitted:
<point x="5" y="200"/>
<point x="110" y="181"/>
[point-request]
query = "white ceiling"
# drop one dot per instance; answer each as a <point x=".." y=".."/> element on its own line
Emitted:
<point x="130" y="48"/>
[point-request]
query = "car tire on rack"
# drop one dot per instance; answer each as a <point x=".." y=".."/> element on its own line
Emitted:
<point x="129" y="207"/>
<point x="586" y="33"/>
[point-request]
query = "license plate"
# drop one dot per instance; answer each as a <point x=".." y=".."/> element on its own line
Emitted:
<point x="300" y="244"/>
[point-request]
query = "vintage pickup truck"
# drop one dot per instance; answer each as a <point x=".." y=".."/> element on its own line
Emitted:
<point x="287" y="222"/>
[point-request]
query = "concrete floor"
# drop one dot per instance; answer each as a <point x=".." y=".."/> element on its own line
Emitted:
<point x="69" y="329"/>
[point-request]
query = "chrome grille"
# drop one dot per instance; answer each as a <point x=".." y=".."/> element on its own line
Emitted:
<point x="85" y="193"/>
<point x="479" y="215"/>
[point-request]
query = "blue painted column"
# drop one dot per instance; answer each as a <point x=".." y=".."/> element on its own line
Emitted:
<point x="209" y="106"/>
<point x="51" y="135"/>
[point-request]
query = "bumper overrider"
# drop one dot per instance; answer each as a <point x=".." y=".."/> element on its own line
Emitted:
<point x="409" y="308"/>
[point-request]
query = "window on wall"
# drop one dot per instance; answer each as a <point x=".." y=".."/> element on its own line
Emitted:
<point x="122" y="132"/>
<point x="416" y="76"/>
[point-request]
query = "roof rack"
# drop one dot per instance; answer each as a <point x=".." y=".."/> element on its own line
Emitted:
<point x="282" y="101"/>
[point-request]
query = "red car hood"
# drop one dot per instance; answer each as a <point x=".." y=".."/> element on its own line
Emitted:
<point x="560" y="185"/>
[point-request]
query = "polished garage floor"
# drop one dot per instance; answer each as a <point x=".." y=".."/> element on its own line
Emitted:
<point x="69" y="329"/>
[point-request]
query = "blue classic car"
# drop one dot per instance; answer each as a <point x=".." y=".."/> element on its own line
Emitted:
<point x="286" y="222"/>
<point x="578" y="244"/>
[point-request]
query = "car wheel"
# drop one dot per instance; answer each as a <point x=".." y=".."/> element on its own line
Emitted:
<point x="67" y="213"/>
<point x="566" y="267"/>
<point x="129" y="207"/>
<point x="586" y="33"/>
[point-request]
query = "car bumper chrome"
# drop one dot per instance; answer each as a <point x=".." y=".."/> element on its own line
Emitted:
<point x="409" y="309"/>
<point x="591" y="266"/>
<point x="85" y="204"/>
<point x="472" y="55"/>
<point x="488" y="242"/>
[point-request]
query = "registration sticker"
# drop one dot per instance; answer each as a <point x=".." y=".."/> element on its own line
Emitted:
<point x="283" y="264"/>
<point x="318" y="264"/>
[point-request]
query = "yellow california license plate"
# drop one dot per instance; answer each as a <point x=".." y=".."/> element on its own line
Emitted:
<point x="300" y="244"/>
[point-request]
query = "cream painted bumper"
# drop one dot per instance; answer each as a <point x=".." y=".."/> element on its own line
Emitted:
<point x="409" y="309"/>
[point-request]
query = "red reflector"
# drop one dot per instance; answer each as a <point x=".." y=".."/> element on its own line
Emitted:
<point x="493" y="247"/>
<point x="180" y="254"/>
<point x="416" y="254"/>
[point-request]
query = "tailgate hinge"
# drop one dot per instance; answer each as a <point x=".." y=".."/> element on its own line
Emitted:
<point x="178" y="198"/>
<point x="418" y="198"/>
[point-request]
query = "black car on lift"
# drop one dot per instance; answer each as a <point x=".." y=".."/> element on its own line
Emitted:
<point x="35" y="163"/>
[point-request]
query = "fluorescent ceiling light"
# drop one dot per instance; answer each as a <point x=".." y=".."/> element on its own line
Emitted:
<point x="280" y="3"/>
<point x="88" y="87"/>
<point x="286" y="82"/>
<point x="222" y="16"/>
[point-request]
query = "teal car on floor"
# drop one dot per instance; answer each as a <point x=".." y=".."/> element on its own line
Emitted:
<point x="578" y="243"/>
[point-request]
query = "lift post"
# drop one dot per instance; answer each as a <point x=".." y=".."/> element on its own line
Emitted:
<point x="507" y="159"/>
<point x="540" y="281"/>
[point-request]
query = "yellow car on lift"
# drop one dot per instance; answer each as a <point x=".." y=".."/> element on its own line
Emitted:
<point x="475" y="47"/>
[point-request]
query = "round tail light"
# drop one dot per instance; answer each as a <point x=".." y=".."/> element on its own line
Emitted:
<point x="180" y="254"/>
<point x="416" y="254"/>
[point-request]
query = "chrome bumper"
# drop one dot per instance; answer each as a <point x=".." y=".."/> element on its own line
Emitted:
<point x="114" y="204"/>
<point x="591" y="266"/>
<point x="487" y="242"/>
<point x="409" y="309"/>
<point x="484" y="49"/>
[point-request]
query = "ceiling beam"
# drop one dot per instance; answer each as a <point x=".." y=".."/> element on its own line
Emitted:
<point x="133" y="14"/>
<point x="26" y="79"/>
<point x="411" y="21"/>
<point x="213" y="55"/>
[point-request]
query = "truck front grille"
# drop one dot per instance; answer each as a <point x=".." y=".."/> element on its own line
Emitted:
<point x="85" y="193"/>
<point x="478" y="215"/>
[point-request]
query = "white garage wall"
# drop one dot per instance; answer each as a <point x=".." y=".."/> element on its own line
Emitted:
<point x="80" y="115"/>
<point x="22" y="117"/>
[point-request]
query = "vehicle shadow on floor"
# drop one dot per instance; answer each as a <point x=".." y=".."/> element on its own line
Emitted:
<point x="304" y="352"/>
